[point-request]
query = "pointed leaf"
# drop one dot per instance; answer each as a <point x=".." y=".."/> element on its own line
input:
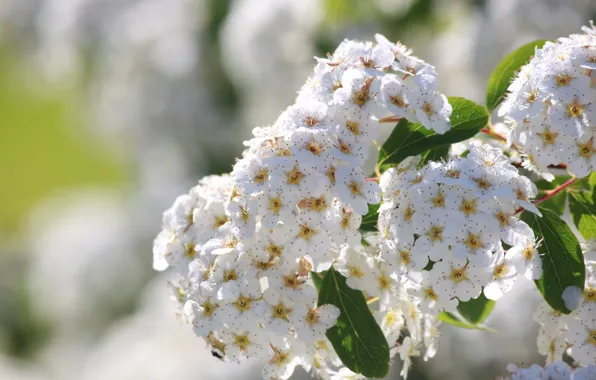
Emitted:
<point x="369" y="221"/>
<point x="457" y="321"/>
<point x="410" y="139"/>
<point x="438" y="154"/>
<point x="583" y="211"/>
<point x="556" y="203"/>
<point x="562" y="259"/>
<point x="506" y="70"/>
<point x="357" y="338"/>
<point x="476" y="310"/>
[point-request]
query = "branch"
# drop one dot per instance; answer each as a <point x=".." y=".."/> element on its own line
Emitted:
<point x="551" y="193"/>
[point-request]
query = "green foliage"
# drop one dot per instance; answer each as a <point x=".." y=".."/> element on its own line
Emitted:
<point x="476" y="310"/>
<point x="557" y="203"/>
<point x="357" y="338"/>
<point x="410" y="139"/>
<point x="506" y="70"/>
<point x="471" y="314"/>
<point x="562" y="259"/>
<point x="437" y="154"/>
<point x="369" y="221"/>
<point x="583" y="211"/>
<point x="317" y="279"/>
<point x="592" y="182"/>
<point x="39" y="153"/>
<point x="459" y="321"/>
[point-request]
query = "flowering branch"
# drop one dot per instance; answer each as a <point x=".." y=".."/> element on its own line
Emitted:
<point x="551" y="193"/>
<point x="493" y="134"/>
<point x="390" y="119"/>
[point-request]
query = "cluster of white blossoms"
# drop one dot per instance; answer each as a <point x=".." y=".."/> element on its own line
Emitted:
<point x="245" y="244"/>
<point x="552" y="105"/>
<point x="558" y="370"/>
<point x="574" y="333"/>
<point x="456" y="215"/>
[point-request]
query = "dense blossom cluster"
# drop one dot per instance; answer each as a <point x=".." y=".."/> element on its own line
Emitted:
<point x="245" y="244"/>
<point x="455" y="215"/>
<point x="574" y="333"/>
<point x="552" y="105"/>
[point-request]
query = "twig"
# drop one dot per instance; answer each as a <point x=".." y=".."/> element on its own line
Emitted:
<point x="551" y="193"/>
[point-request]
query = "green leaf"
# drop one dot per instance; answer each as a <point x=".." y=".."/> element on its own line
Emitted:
<point x="458" y="321"/>
<point x="369" y="221"/>
<point x="356" y="337"/>
<point x="476" y="310"/>
<point x="562" y="259"/>
<point x="317" y="279"/>
<point x="409" y="139"/>
<point x="583" y="211"/>
<point x="506" y="70"/>
<point x="592" y="180"/>
<point x="556" y="203"/>
<point x="440" y="153"/>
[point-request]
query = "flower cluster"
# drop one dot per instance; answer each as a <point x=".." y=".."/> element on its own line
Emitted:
<point x="245" y="244"/>
<point x="576" y="331"/>
<point x="558" y="370"/>
<point x="552" y="105"/>
<point x="444" y="225"/>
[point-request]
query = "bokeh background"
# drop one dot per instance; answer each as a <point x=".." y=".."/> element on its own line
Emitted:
<point x="111" y="108"/>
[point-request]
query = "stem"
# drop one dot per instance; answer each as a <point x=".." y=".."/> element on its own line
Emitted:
<point x="551" y="193"/>
<point x="497" y="136"/>
<point x="389" y="119"/>
<point x="493" y="134"/>
<point x="373" y="179"/>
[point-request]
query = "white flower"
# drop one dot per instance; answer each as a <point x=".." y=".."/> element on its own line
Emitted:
<point x="526" y="259"/>
<point x="358" y="93"/>
<point x="289" y="175"/>
<point x="343" y="224"/>
<point x="574" y="112"/>
<point x="284" y="355"/>
<point x="280" y="310"/>
<point x="277" y="206"/>
<point x="585" y="373"/>
<point x="358" y="268"/>
<point x="406" y="351"/>
<point x="503" y="277"/>
<point x="203" y="315"/>
<point x="394" y="95"/>
<point x="353" y="189"/>
<point x="558" y="370"/>
<point x="429" y="299"/>
<point x="550" y="320"/>
<point x="309" y="236"/>
<point x="551" y="344"/>
<point x="453" y="278"/>
<point x="313" y="322"/>
<point x="535" y="372"/>
<point x="243" y="343"/>
<point x="476" y="244"/>
<point x="251" y="175"/>
<point x="432" y="110"/>
<point x="245" y="309"/>
<point x="573" y="297"/>
<point x="582" y="334"/>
